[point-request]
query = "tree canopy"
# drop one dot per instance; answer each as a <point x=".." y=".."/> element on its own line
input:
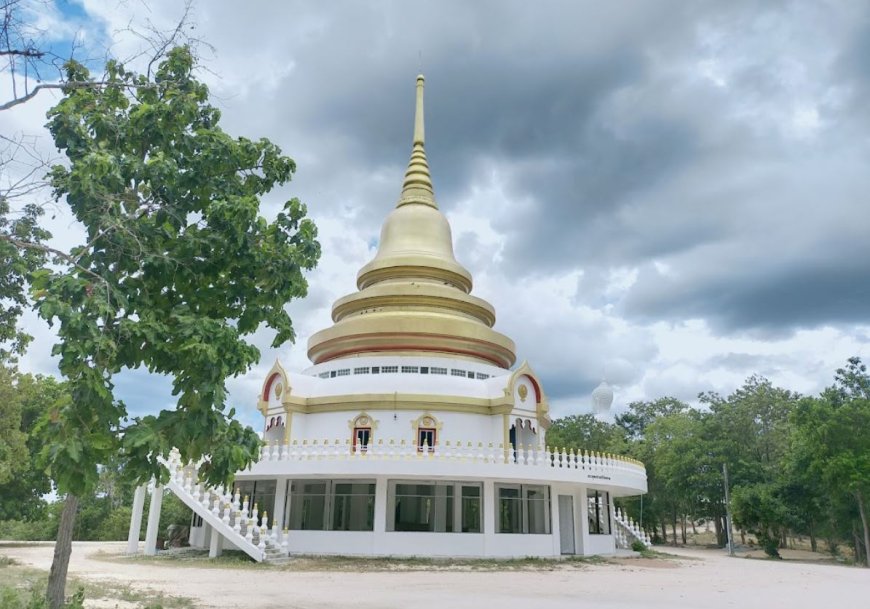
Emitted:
<point x="177" y="269"/>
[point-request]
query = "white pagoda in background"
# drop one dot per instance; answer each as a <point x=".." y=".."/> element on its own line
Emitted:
<point x="411" y="434"/>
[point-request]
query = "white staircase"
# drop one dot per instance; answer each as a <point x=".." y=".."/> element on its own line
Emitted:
<point x="234" y="519"/>
<point x="626" y="531"/>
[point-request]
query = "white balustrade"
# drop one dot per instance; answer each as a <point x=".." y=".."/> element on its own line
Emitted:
<point x="389" y="450"/>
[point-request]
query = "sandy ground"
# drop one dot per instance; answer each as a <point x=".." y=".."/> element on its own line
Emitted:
<point x="711" y="581"/>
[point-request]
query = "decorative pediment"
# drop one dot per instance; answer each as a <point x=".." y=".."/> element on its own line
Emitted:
<point x="275" y="385"/>
<point x="363" y="419"/>
<point x="535" y="399"/>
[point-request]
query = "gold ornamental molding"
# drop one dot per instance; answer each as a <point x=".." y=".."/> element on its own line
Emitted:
<point x="363" y="419"/>
<point x="418" y="296"/>
<point x="421" y="270"/>
<point x="381" y="335"/>
<point x="369" y="402"/>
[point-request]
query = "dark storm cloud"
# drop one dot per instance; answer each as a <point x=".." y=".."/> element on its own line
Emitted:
<point x="504" y="80"/>
<point x="632" y="134"/>
<point x="764" y="299"/>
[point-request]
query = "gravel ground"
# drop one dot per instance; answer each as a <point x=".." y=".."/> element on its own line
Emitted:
<point x="703" y="579"/>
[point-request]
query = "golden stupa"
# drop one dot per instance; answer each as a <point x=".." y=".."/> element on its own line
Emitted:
<point x="413" y="298"/>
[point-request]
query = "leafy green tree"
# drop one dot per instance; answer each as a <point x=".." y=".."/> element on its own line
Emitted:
<point x="585" y="432"/>
<point x="177" y="269"/>
<point x="674" y="448"/>
<point x="13" y="449"/>
<point x="21" y="253"/>
<point x="830" y="430"/>
<point x="749" y="430"/>
<point x="24" y="397"/>
<point x="760" y="508"/>
<point x="641" y="414"/>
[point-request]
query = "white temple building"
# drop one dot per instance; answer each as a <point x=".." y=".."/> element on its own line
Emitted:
<point x="412" y="434"/>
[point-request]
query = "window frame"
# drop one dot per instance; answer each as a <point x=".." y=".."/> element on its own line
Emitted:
<point x="601" y="500"/>
<point x="329" y="502"/>
<point x="524" y="503"/>
<point x="357" y="430"/>
<point x="433" y="431"/>
<point x="459" y="513"/>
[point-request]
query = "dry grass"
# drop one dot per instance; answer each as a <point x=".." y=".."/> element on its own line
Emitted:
<point x="239" y="560"/>
<point x="23" y="583"/>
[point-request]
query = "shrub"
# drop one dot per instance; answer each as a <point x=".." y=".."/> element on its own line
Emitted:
<point x="769" y="544"/>
<point x="638" y="546"/>
<point x="22" y="530"/>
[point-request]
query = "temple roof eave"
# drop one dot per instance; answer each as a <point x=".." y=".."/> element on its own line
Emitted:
<point x="419" y="294"/>
<point x="386" y="332"/>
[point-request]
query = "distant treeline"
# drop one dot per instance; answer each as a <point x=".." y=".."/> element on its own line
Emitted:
<point x="798" y="465"/>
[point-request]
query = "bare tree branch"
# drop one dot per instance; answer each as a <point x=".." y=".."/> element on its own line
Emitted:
<point x="72" y="85"/>
<point x="23" y="53"/>
<point x="72" y="261"/>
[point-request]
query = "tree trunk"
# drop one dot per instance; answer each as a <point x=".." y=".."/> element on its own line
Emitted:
<point x="694" y="528"/>
<point x="863" y="513"/>
<point x="62" y="550"/>
<point x="683" y="528"/>
<point x="674" y="521"/>
<point x="813" y="544"/>
<point x="718" y="530"/>
<point x="742" y="537"/>
<point x="664" y="531"/>
<point x="856" y="544"/>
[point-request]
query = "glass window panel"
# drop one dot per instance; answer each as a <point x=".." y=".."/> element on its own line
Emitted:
<point x="426" y="437"/>
<point x="339" y="506"/>
<point x="523" y="509"/>
<point x="537" y="507"/>
<point x="510" y="510"/>
<point x="423" y="507"/>
<point x="470" y="491"/>
<point x="598" y="506"/>
<point x="471" y="513"/>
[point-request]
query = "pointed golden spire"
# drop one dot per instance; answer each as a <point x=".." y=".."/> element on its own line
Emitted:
<point x="414" y="295"/>
<point x="417" y="187"/>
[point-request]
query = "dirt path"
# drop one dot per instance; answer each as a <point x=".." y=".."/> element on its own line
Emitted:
<point x="710" y="581"/>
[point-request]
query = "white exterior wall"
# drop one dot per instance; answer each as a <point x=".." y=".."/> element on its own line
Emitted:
<point x="381" y="542"/>
<point x="397" y="425"/>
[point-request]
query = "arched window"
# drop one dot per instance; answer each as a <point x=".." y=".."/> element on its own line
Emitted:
<point x="426" y="431"/>
<point x="362" y="432"/>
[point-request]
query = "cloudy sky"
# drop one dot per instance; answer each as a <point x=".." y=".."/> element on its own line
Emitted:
<point x="673" y="194"/>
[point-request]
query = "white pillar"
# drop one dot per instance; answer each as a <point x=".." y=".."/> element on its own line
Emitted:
<point x="555" y="525"/>
<point x="207" y="532"/>
<point x="380" y="506"/>
<point x="153" y="521"/>
<point x="136" y="520"/>
<point x="441" y="508"/>
<point x="583" y="520"/>
<point x="216" y="547"/>
<point x="457" y="509"/>
<point x="280" y="505"/>
<point x="489" y="508"/>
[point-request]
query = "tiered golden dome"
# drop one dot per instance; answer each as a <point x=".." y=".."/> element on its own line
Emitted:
<point x="414" y="296"/>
